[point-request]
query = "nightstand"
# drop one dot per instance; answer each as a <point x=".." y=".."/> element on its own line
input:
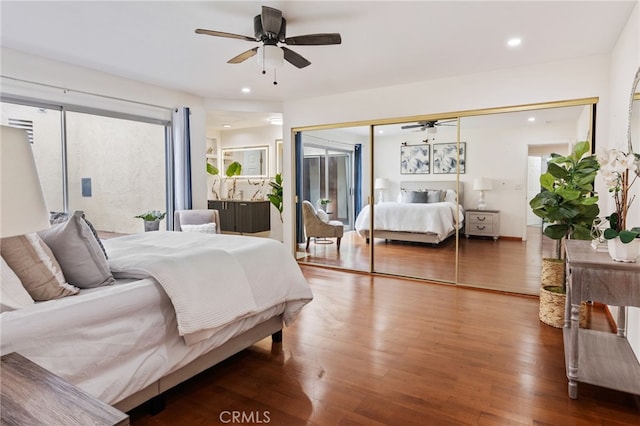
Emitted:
<point x="482" y="223"/>
<point x="32" y="395"/>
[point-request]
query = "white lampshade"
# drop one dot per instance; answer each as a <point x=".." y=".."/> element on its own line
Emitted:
<point x="380" y="183"/>
<point x="270" y="56"/>
<point x="482" y="184"/>
<point x="22" y="207"/>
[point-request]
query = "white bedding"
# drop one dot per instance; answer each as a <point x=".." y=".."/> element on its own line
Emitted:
<point x="212" y="279"/>
<point x="434" y="218"/>
<point x="113" y="341"/>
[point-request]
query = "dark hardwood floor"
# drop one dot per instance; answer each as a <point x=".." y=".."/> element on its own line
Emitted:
<point x="508" y="265"/>
<point x="382" y="350"/>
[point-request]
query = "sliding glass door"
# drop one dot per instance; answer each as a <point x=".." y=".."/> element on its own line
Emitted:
<point x="110" y="167"/>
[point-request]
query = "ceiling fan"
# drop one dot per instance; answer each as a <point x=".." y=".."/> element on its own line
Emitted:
<point x="270" y="29"/>
<point x="430" y="124"/>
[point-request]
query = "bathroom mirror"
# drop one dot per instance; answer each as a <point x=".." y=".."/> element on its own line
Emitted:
<point x="253" y="159"/>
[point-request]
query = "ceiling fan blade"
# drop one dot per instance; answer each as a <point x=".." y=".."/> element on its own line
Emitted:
<point x="271" y="20"/>
<point x="227" y="35"/>
<point x="314" y="39"/>
<point x="412" y="126"/>
<point x="294" y="58"/>
<point x="243" y="56"/>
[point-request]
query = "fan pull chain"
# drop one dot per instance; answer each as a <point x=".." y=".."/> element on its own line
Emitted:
<point x="275" y="82"/>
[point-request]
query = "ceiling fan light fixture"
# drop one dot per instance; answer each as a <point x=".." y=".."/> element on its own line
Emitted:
<point x="270" y="56"/>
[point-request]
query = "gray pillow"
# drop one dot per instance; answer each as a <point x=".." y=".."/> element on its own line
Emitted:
<point x="434" y="196"/>
<point x="414" y="197"/>
<point x="81" y="258"/>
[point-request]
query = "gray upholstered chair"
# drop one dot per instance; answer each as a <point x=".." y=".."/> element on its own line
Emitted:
<point x="317" y="228"/>
<point x="195" y="217"/>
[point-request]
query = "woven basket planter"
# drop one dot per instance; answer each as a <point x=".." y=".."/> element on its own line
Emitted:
<point x="552" y="272"/>
<point x="552" y="309"/>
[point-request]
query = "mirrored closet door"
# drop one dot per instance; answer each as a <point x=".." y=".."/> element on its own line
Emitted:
<point x="416" y="214"/>
<point x="477" y="171"/>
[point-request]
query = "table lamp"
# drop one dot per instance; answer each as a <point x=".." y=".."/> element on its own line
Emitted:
<point x="380" y="185"/>
<point x="22" y="209"/>
<point x="482" y="184"/>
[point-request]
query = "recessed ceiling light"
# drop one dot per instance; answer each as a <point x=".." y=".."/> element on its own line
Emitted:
<point x="277" y="121"/>
<point x="531" y="119"/>
<point x="226" y="126"/>
<point x="514" y="42"/>
<point x="246" y="90"/>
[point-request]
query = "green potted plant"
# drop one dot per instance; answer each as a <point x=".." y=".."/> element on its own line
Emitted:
<point x="152" y="219"/>
<point x="276" y="194"/>
<point x="234" y="169"/>
<point x="323" y="202"/>
<point x="213" y="171"/>
<point x="567" y="203"/>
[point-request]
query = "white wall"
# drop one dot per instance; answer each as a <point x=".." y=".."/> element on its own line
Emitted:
<point x="625" y="60"/>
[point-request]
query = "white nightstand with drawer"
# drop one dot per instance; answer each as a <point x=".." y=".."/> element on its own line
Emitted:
<point x="483" y="223"/>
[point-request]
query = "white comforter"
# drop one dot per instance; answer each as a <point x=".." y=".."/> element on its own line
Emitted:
<point x="212" y="279"/>
<point x="435" y="218"/>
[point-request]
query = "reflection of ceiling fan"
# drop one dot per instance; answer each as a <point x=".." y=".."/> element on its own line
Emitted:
<point x="430" y="124"/>
<point x="270" y="29"/>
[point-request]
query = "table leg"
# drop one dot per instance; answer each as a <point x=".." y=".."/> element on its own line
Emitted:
<point x="573" y="350"/>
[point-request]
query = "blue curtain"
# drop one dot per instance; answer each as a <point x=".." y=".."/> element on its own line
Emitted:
<point x="357" y="178"/>
<point x="299" y="180"/>
<point x="182" y="193"/>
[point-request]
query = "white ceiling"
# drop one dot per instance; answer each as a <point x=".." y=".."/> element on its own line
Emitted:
<point x="383" y="42"/>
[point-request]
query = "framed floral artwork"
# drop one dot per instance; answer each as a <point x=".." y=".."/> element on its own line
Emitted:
<point x="447" y="159"/>
<point x="414" y="159"/>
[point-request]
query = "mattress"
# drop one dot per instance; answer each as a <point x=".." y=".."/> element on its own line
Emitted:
<point x="433" y="218"/>
<point x="111" y="341"/>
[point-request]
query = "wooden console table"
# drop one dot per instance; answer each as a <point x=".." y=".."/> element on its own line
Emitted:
<point x="605" y="359"/>
<point x="31" y="395"/>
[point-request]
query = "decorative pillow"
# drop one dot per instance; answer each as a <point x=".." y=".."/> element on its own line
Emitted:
<point x="450" y="196"/>
<point x="80" y="256"/>
<point x="434" y="195"/>
<point x="61" y="217"/>
<point x="205" y="228"/>
<point x="322" y="215"/>
<point x="13" y="295"/>
<point x="414" y="196"/>
<point x="36" y="266"/>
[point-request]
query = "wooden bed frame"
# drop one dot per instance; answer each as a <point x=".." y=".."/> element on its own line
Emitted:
<point x="419" y="237"/>
<point x="271" y="327"/>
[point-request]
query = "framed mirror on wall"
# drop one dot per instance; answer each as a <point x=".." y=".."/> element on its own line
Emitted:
<point x="253" y="159"/>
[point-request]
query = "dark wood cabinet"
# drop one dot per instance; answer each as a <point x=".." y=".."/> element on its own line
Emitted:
<point x="245" y="217"/>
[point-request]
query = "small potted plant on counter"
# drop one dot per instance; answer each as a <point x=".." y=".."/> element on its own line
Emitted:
<point x="151" y="219"/>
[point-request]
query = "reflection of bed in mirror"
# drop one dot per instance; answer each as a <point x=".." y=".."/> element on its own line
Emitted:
<point x="412" y="217"/>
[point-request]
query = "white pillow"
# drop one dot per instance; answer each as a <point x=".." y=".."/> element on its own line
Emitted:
<point x="450" y="196"/>
<point x="205" y="228"/>
<point x="12" y="294"/>
<point x="323" y="216"/>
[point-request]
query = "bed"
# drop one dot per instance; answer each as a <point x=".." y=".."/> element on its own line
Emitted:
<point x="130" y="341"/>
<point x="425" y="219"/>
